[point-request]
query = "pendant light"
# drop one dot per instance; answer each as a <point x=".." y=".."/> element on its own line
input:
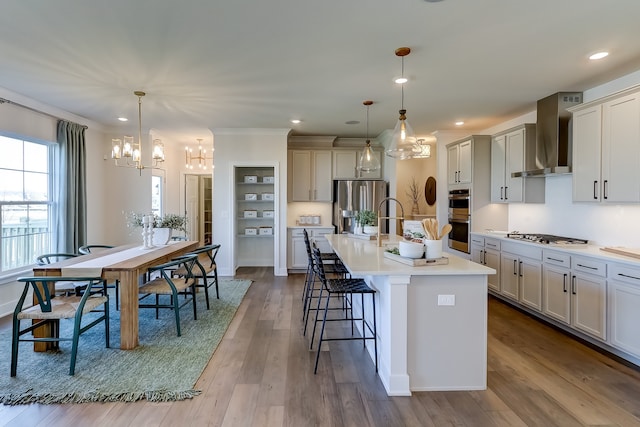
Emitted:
<point x="403" y="140"/>
<point x="368" y="161"/>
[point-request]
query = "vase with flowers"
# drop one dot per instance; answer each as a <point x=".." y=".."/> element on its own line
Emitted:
<point x="159" y="227"/>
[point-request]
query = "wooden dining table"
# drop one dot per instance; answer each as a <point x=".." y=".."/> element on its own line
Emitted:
<point x="124" y="263"/>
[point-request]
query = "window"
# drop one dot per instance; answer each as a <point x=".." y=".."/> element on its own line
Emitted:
<point x="156" y="194"/>
<point x="25" y="202"/>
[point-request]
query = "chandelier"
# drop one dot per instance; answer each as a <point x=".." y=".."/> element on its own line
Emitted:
<point x="201" y="158"/>
<point x="131" y="151"/>
<point x="425" y="150"/>
<point x="403" y="141"/>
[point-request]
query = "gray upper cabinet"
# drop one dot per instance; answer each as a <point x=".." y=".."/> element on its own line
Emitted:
<point x="310" y="176"/>
<point x="606" y="149"/>
<point x="508" y="155"/>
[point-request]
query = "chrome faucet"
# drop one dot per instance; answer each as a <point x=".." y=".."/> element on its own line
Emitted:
<point x="380" y="218"/>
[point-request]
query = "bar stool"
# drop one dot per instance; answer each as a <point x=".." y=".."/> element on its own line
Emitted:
<point x="332" y="265"/>
<point x="345" y="288"/>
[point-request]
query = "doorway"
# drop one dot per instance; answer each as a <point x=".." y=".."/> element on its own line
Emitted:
<point x="198" y="207"/>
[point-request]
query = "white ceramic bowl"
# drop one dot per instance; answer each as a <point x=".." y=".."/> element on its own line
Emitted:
<point x="410" y="249"/>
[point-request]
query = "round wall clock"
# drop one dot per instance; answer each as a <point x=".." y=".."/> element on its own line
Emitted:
<point x="430" y="191"/>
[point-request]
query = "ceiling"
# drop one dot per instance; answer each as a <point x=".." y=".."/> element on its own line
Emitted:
<point x="208" y="64"/>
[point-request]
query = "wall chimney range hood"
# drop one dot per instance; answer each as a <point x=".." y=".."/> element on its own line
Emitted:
<point x="553" y="136"/>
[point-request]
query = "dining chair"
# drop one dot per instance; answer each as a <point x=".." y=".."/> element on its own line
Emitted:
<point x="49" y="309"/>
<point x="62" y="287"/>
<point x="162" y="281"/>
<point x="88" y="249"/>
<point x="206" y="270"/>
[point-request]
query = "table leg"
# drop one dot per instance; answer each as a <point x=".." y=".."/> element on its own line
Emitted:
<point x="129" y="309"/>
<point x="46" y="330"/>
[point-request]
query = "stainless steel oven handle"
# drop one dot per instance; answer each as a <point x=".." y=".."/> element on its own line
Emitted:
<point x="459" y="221"/>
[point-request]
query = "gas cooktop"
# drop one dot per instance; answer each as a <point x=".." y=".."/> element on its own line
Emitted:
<point x="547" y="239"/>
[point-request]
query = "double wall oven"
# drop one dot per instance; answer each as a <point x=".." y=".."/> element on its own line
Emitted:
<point x="460" y="219"/>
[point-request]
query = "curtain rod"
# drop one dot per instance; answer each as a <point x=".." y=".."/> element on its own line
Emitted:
<point x="8" y="101"/>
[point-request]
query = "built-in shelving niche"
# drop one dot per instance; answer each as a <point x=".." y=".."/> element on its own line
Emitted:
<point x="255" y="214"/>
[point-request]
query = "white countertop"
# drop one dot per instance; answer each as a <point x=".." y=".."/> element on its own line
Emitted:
<point x="593" y="251"/>
<point x="365" y="258"/>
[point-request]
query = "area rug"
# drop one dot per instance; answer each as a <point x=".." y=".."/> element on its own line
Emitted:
<point x="163" y="367"/>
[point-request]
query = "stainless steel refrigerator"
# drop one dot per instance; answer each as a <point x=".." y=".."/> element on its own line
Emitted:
<point x="352" y="196"/>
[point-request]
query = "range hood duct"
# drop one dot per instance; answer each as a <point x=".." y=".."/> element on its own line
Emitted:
<point x="553" y="136"/>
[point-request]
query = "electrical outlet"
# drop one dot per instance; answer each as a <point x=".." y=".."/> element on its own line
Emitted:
<point x="446" y="300"/>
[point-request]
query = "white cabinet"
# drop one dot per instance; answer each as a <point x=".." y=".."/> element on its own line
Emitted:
<point x="589" y="296"/>
<point x="345" y="164"/>
<point x="297" y="250"/>
<point x="298" y="257"/>
<point x="310" y="177"/>
<point x="556" y="292"/>
<point x="486" y="251"/>
<point x="624" y="308"/>
<point x="574" y="290"/>
<point x="508" y="156"/>
<point x="459" y="161"/>
<point x="606" y="149"/>
<point x="522" y="274"/>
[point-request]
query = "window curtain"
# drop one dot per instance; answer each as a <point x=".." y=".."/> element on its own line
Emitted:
<point x="71" y="217"/>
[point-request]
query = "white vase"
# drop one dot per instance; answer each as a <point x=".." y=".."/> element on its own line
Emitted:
<point x="161" y="236"/>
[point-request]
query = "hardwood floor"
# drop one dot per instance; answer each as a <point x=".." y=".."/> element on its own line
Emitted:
<point x="262" y="375"/>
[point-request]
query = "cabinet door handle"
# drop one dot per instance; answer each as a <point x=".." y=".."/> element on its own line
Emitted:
<point x="604" y="189"/>
<point x="554" y="259"/>
<point x="515" y="267"/>
<point x="573" y="285"/>
<point x="506" y="197"/>
<point x="315" y="194"/>
<point x="586" y="266"/>
<point x="484" y="257"/>
<point x="520" y="268"/>
<point x="501" y="193"/>
<point x="630" y="277"/>
<point x="564" y="282"/>
<point x="595" y="189"/>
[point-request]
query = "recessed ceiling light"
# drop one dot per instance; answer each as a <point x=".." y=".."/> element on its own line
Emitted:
<point x="295" y="121"/>
<point x="352" y="122"/>
<point x="459" y="123"/>
<point x="123" y="119"/>
<point x="401" y="80"/>
<point x="599" y="55"/>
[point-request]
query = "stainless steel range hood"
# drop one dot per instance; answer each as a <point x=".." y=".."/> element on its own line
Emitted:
<point x="553" y="136"/>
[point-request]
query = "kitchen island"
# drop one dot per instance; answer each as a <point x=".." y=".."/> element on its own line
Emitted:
<point x="432" y="320"/>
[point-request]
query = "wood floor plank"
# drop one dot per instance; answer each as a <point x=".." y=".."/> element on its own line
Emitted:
<point x="354" y="408"/>
<point x="242" y="406"/>
<point x="262" y="374"/>
<point x="269" y="416"/>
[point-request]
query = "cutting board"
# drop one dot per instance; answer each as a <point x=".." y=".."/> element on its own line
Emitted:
<point x="416" y="262"/>
<point x="632" y="252"/>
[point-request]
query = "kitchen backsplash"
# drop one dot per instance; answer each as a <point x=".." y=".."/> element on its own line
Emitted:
<point x="601" y="224"/>
<point x="297" y="209"/>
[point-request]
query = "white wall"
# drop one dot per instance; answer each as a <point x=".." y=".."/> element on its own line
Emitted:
<point x="247" y="147"/>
